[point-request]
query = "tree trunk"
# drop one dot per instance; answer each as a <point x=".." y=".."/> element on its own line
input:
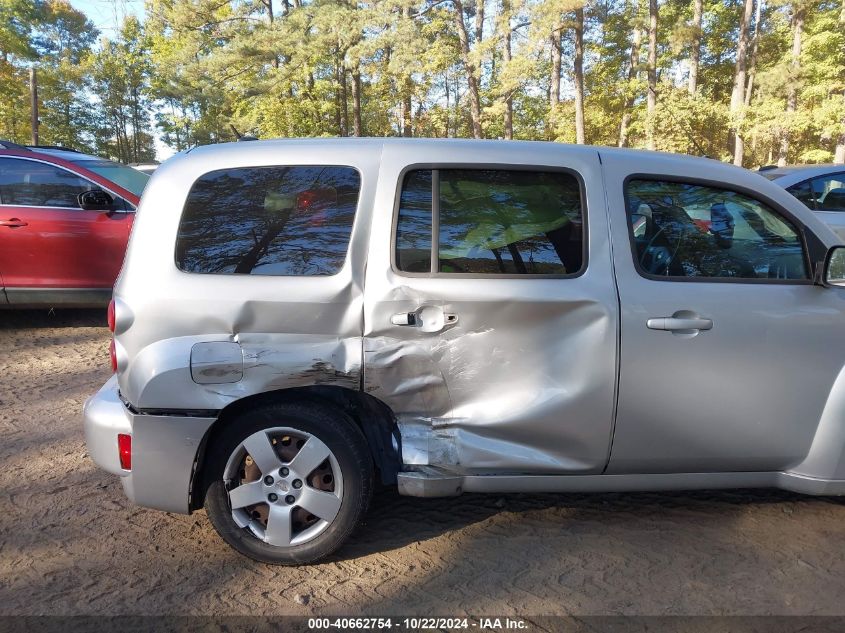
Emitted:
<point x="839" y="153"/>
<point x="579" y="76"/>
<point x="554" y="90"/>
<point x="633" y="71"/>
<point x="407" y="129"/>
<point x="755" y="46"/>
<point x="738" y="92"/>
<point x="448" y="110"/>
<point x="795" y="68"/>
<point x="651" y="101"/>
<point x="479" y="21"/>
<point x="343" y="106"/>
<point x="695" y="54"/>
<point x="554" y="81"/>
<point x="33" y="104"/>
<point x="407" y="91"/>
<point x="469" y="69"/>
<point x="357" y="129"/>
<point x="268" y="4"/>
<point x="506" y="59"/>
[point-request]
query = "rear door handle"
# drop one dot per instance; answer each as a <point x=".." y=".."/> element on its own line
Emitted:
<point x="427" y="318"/>
<point x="680" y="324"/>
<point x="404" y="318"/>
<point x="13" y="222"/>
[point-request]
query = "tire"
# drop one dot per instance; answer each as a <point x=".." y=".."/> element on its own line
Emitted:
<point x="290" y="529"/>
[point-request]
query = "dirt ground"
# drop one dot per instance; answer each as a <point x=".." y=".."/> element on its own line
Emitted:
<point x="71" y="544"/>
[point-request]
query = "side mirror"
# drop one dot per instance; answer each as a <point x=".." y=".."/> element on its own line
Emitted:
<point x="95" y="200"/>
<point x="833" y="272"/>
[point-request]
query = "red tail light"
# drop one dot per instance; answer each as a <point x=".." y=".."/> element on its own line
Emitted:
<point x="110" y="316"/>
<point x="113" y="355"/>
<point x="124" y="449"/>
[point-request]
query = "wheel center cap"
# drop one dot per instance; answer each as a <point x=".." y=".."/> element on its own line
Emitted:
<point x="283" y="485"/>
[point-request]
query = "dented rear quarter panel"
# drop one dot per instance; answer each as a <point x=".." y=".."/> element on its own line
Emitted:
<point x="293" y="331"/>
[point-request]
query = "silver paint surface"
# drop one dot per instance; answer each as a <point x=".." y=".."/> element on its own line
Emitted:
<point x="512" y="383"/>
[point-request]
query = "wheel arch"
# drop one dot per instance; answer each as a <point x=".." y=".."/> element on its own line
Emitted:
<point x="372" y="416"/>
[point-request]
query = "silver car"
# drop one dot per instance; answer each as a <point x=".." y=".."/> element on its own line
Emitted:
<point x="820" y="187"/>
<point x="298" y="319"/>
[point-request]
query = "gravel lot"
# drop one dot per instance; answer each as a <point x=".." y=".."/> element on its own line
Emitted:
<point x="71" y="544"/>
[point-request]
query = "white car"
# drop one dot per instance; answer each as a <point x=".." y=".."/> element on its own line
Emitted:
<point x="820" y="187"/>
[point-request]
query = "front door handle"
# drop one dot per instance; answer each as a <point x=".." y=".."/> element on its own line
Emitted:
<point x="13" y="222"/>
<point x="682" y="324"/>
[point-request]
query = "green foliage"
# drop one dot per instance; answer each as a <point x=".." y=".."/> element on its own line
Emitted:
<point x="207" y="70"/>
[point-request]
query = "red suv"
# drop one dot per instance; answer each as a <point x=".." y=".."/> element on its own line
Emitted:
<point x="65" y="218"/>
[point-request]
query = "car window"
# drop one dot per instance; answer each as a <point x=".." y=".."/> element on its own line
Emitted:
<point x="413" y="229"/>
<point x="268" y="221"/>
<point x="130" y="179"/>
<point x="804" y="192"/>
<point x="491" y="221"/>
<point x="829" y="192"/>
<point x="688" y="230"/>
<point x="32" y="183"/>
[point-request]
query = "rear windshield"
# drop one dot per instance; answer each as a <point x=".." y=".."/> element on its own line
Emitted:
<point x="268" y="221"/>
<point x="130" y="179"/>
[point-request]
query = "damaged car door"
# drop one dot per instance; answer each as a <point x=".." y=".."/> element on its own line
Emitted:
<point x="491" y="318"/>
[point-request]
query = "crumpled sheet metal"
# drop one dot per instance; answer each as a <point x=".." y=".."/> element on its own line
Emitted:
<point x="310" y="352"/>
<point x="500" y="398"/>
<point x="280" y="361"/>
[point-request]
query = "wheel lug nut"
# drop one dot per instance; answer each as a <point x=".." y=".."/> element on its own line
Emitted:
<point x="297" y="483"/>
<point x="290" y="499"/>
<point x="283" y="471"/>
<point x="268" y="480"/>
<point x="273" y="497"/>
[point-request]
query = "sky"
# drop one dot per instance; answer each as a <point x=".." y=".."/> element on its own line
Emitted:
<point x="107" y="16"/>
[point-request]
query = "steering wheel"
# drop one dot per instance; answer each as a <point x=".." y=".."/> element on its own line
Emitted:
<point x="659" y="258"/>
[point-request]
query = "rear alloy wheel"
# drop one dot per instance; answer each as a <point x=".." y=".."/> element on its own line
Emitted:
<point x="294" y="484"/>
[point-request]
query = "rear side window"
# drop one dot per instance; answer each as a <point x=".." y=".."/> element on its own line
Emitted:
<point x="413" y="230"/>
<point x="688" y="230"/>
<point x="804" y="193"/>
<point x="269" y="221"/>
<point x="490" y="221"/>
<point x="826" y="193"/>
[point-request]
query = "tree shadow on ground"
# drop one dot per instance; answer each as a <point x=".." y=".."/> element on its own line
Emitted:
<point x="52" y="318"/>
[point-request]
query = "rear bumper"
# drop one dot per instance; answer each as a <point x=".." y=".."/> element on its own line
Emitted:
<point x="164" y="449"/>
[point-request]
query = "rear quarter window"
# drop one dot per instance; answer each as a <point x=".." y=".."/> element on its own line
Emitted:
<point x="269" y="221"/>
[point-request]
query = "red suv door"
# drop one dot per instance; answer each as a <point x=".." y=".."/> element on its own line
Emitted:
<point x="48" y="242"/>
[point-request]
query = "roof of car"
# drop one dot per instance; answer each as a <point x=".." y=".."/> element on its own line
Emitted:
<point x="59" y="152"/>
<point x="793" y="174"/>
<point x="482" y="145"/>
<point x="70" y="155"/>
